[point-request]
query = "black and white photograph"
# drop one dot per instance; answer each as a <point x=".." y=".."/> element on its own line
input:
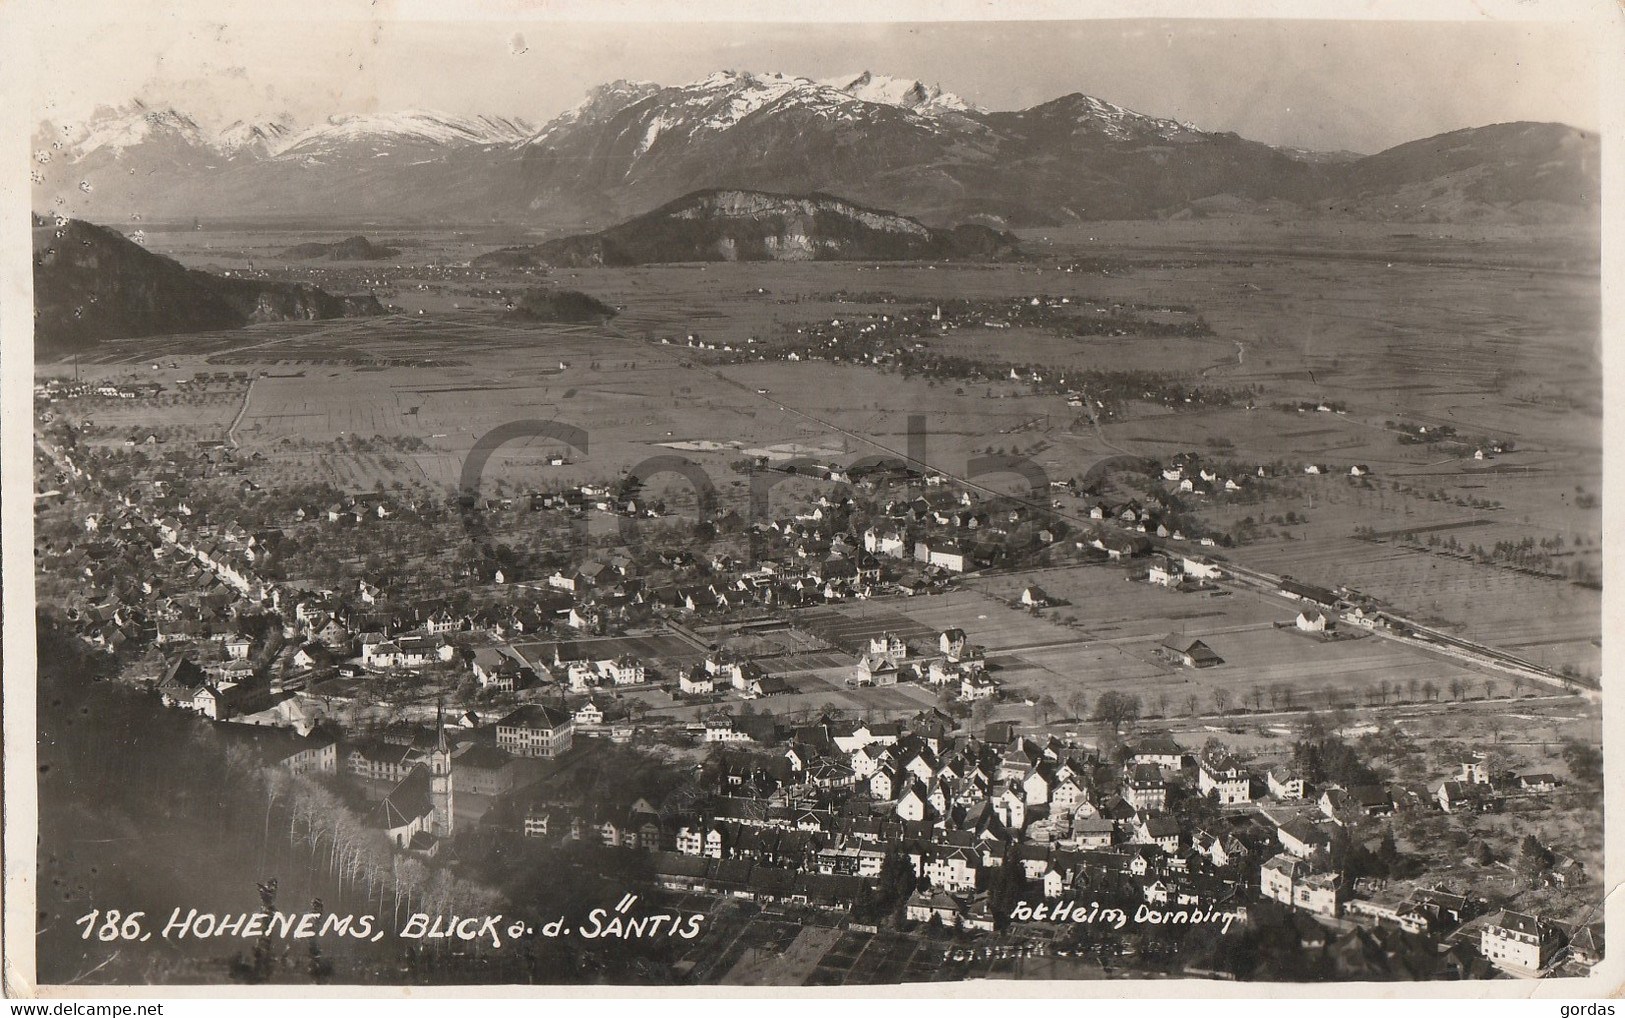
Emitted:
<point x="566" y="497"/>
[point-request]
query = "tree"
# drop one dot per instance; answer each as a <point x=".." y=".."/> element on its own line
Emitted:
<point x="1221" y="699"/>
<point x="1584" y="760"/>
<point x="1534" y="859"/>
<point x="1046" y="707"/>
<point x="1005" y="889"/>
<point x="1078" y="704"/>
<point x="1115" y="708"/>
<point x="1457" y="686"/>
<point x="981" y="712"/>
<point x="1388" y="854"/>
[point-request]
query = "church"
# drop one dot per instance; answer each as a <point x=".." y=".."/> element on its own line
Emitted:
<point x="419" y="812"/>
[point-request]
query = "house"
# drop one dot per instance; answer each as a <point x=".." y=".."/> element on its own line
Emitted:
<point x="1538" y="782"/>
<point x="914" y="803"/>
<point x="697" y="681"/>
<point x="875" y="670"/>
<point x="1162" y="831"/>
<point x="536" y="730"/>
<point x="1586" y="943"/>
<point x="929" y="906"/>
<point x="1157" y="750"/>
<point x="721" y="727"/>
<point x="1284" y="783"/>
<point x="1303" y="839"/>
<point x="889" y="542"/>
<point x="945" y="555"/>
<point x="1144" y="788"/>
<point x="952" y="868"/>
<point x="1121" y="546"/>
<point x="1226" y="779"/>
<point x="1184" y="650"/>
<point x="498" y="668"/>
<point x="1199" y="568"/>
<point x="1163" y="571"/>
<point x="1093" y="832"/>
<point x="767" y="685"/>
<point x="975" y="685"/>
<point x="588" y="713"/>
<point x="1369" y="800"/>
<point x="1460" y="796"/>
<point x="1315" y="620"/>
<point x="1298" y="883"/>
<point x="1034" y="597"/>
<point x="311" y="655"/>
<point x="1519" y="944"/>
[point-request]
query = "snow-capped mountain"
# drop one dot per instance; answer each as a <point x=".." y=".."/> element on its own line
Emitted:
<point x="904" y="92"/>
<point x="113" y="129"/>
<point x="377" y="132"/>
<point x="260" y="136"/>
<point x="885" y="142"/>
<point x="1078" y="114"/>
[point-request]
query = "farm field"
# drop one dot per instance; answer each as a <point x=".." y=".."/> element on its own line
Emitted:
<point x="1120" y="624"/>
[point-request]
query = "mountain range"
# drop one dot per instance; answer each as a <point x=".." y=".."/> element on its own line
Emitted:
<point x="883" y="142"/>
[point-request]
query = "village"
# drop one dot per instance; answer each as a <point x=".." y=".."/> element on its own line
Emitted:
<point x="946" y="801"/>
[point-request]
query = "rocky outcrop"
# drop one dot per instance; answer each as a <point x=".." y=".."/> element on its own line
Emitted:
<point x="736" y="225"/>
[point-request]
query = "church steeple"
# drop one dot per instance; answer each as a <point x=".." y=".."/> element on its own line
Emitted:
<point x="441" y="791"/>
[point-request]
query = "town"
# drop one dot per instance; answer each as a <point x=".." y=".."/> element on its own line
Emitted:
<point x="822" y="746"/>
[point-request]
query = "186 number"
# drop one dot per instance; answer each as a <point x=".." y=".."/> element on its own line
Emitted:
<point x="114" y="925"/>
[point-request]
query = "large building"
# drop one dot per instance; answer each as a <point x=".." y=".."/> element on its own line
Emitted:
<point x="536" y="730"/>
<point x="1299" y="884"/>
<point x="1517" y="943"/>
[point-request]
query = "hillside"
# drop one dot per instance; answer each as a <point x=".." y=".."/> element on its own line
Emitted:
<point x="755" y="226"/>
<point x="570" y="306"/>
<point x="350" y="249"/>
<point x="93" y="284"/>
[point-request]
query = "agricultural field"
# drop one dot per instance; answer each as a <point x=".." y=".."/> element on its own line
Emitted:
<point x="1117" y="627"/>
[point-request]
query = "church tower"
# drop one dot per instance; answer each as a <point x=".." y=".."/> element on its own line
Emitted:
<point x="440" y="782"/>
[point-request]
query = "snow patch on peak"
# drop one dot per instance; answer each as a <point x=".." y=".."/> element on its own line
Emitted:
<point x="409" y="126"/>
<point x="907" y="93"/>
<point x="116" y="128"/>
<point x="262" y="134"/>
<point x="1122" y="124"/>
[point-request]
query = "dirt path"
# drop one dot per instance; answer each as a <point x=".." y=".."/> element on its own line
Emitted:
<point x="231" y="432"/>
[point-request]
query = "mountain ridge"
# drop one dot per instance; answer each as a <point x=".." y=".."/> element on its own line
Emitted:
<point x="884" y="142"/>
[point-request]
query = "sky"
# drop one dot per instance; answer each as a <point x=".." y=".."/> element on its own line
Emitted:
<point x="1356" y="85"/>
